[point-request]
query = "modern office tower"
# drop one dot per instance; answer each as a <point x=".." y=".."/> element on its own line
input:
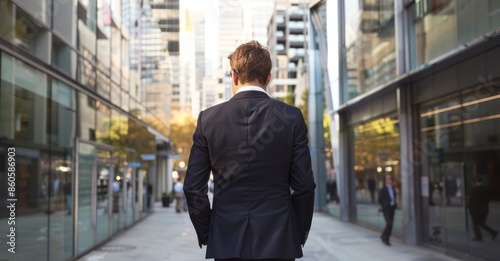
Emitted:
<point x="199" y="39"/>
<point x="287" y="41"/>
<point x="259" y="13"/>
<point x="412" y="91"/>
<point x="187" y="61"/>
<point x="167" y="14"/>
<point x="153" y="62"/>
<point x="71" y="114"/>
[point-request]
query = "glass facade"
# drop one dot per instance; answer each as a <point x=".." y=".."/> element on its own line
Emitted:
<point x="65" y="98"/>
<point x="370" y="46"/>
<point x="438" y="137"/>
<point x="438" y="27"/>
<point x="376" y="154"/>
<point x="463" y="151"/>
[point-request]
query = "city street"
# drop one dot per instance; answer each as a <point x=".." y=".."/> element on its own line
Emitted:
<point x="166" y="235"/>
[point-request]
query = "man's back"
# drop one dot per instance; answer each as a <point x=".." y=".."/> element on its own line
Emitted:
<point x="257" y="151"/>
<point x="256" y="148"/>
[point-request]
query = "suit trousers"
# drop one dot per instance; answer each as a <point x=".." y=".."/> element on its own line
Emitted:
<point x="389" y="219"/>
<point x="268" y="259"/>
<point x="479" y="221"/>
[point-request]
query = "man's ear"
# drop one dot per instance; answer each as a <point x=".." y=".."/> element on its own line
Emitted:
<point x="235" y="78"/>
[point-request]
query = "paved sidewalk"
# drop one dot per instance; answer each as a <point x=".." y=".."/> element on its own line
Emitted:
<point x="166" y="235"/>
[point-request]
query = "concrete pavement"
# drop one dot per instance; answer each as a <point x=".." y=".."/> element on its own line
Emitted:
<point x="166" y="235"/>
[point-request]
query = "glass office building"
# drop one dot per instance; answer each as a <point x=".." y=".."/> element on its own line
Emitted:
<point x="413" y="90"/>
<point x="70" y="107"/>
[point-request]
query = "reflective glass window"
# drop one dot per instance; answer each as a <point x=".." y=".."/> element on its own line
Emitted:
<point x="64" y="58"/>
<point x="103" y="84"/>
<point x="63" y="20"/>
<point x="116" y="42"/>
<point x="115" y="94"/>
<point x="87" y="117"/>
<point x="87" y="71"/>
<point x="6" y="20"/>
<point x="370" y="54"/>
<point x="103" y="124"/>
<point x="439" y="27"/>
<point x="24" y="121"/>
<point x="61" y="132"/>
<point x="460" y="165"/>
<point x="376" y="154"/>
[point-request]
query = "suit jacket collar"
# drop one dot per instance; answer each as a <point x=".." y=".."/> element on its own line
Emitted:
<point x="250" y="94"/>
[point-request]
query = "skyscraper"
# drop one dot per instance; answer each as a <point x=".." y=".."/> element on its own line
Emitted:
<point x="287" y="41"/>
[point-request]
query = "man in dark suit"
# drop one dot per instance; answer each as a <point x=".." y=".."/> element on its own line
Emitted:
<point x="387" y="202"/>
<point x="257" y="150"/>
<point x="478" y="208"/>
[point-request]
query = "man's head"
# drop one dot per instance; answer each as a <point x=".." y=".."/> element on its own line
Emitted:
<point x="250" y="65"/>
<point x="388" y="180"/>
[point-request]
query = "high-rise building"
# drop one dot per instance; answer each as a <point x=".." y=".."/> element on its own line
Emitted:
<point x="199" y="39"/>
<point x="287" y="42"/>
<point x="167" y="13"/>
<point x="259" y="13"/>
<point x="154" y="81"/>
<point x="412" y="92"/>
<point x="187" y="61"/>
<point x="72" y="119"/>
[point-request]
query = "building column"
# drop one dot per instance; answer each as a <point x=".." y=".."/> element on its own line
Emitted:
<point x="316" y="130"/>
<point x="346" y="184"/>
<point x="409" y="186"/>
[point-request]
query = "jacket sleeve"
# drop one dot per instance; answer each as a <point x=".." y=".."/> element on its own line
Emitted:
<point x="302" y="180"/>
<point x="195" y="184"/>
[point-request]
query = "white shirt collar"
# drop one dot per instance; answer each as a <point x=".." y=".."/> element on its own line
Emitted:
<point x="251" y="88"/>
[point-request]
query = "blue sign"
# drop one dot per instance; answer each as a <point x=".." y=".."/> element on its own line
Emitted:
<point x="134" y="165"/>
<point x="384" y="154"/>
<point x="148" y="157"/>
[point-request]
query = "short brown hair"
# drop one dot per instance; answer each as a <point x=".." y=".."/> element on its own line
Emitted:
<point x="251" y="61"/>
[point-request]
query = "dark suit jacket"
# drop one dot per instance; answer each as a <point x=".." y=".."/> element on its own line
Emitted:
<point x="479" y="200"/>
<point x="384" y="198"/>
<point x="257" y="149"/>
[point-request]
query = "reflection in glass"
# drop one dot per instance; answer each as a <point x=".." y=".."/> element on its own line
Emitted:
<point x="63" y="57"/>
<point x="6" y="22"/>
<point x="103" y="124"/>
<point x="462" y="144"/>
<point x="376" y="154"/>
<point x="23" y="120"/>
<point x="370" y="45"/>
<point x="103" y="176"/>
<point x="86" y="170"/>
<point x="61" y="135"/>
<point x="87" y="117"/>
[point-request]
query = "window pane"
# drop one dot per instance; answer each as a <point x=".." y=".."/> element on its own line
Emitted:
<point x="376" y="154"/>
<point x="6" y="20"/>
<point x="87" y="117"/>
<point x="370" y="45"/>
<point x="23" y="121"/>
<point x="61" y="137"/>
<point x="64" y="58"/>
<point x="433" y="30"/>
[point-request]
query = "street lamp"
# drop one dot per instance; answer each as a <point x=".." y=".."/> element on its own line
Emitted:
<point x="182" y="164"/>
<point x="175" y="174"/>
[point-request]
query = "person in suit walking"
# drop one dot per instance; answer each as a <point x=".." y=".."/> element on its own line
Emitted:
<point x="257" y="149"/>
<point x="387" y="202"/>
<point x="478" y="208"/>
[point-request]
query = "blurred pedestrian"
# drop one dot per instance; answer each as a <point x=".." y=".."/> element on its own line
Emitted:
<point x="371" y="187"/>
<point x="387" y="201"/>
<point x="68" y="195"/>
<point x="478" y="208"/>
<point x="257" y="149"/>
<point x="179" y="195"/>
